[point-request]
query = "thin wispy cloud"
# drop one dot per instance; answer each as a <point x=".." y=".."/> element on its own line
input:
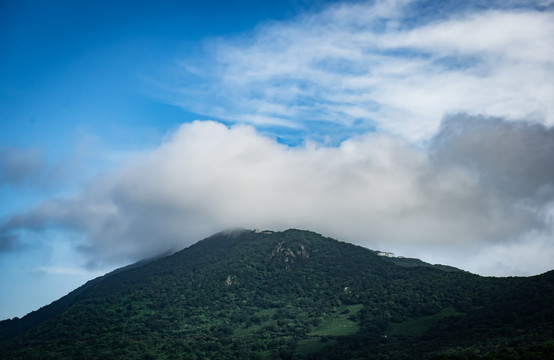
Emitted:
<point x="355" y="67"/>
<point x="65" y="271"/>
<point x="26" y="167"/>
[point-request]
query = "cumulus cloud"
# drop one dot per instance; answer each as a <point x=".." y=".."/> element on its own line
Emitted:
<point x="375" y="190"/>
<point x="398" y="66"/>
<point x="513" y="159"/>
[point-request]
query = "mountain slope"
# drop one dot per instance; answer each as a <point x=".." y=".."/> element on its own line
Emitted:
<point x="292" y="294"/>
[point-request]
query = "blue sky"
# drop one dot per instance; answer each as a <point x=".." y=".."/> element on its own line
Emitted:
<point x="129" y="128"/>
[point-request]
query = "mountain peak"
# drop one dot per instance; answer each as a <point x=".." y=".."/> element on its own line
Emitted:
<point x="286" y="294"/>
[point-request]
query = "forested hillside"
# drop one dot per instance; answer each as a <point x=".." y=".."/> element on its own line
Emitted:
<point x="290" y="295"/>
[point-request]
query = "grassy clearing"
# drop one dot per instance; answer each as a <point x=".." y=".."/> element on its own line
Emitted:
<point x="419" y="326"/>
<point x="339" y="323"/>
<point x="266" y="313"/>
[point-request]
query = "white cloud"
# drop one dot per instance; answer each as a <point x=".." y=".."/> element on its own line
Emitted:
<point x="375" y="190"/>
<point x="358" y="65"/>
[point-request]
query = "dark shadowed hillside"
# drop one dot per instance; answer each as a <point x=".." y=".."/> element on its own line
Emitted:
<point x="293" y="294"/>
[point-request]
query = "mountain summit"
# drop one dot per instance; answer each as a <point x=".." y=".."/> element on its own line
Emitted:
<point x="293" y="294"/>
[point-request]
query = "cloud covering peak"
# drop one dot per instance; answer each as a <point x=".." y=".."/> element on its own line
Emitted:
<point x="375" y="190"/>
<point x="419" y="127"/>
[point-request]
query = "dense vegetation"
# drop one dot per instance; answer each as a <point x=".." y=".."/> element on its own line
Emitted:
<point x="290" y="295"/>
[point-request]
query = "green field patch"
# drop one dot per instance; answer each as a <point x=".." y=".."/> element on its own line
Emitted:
<point x="266" y="315"/>
<point x="419" y="326"/>
<point x="339" y="323"/>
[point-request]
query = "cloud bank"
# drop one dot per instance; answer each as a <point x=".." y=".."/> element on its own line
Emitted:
<point x="375" y="190"/>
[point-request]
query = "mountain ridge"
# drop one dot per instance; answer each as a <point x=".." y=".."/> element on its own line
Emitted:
<point x="290" y="294"/>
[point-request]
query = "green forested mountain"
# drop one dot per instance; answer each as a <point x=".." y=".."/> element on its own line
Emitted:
<point x="289" y="295"/>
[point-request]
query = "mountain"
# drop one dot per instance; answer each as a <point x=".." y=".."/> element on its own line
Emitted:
<point x="289" y="295"/>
